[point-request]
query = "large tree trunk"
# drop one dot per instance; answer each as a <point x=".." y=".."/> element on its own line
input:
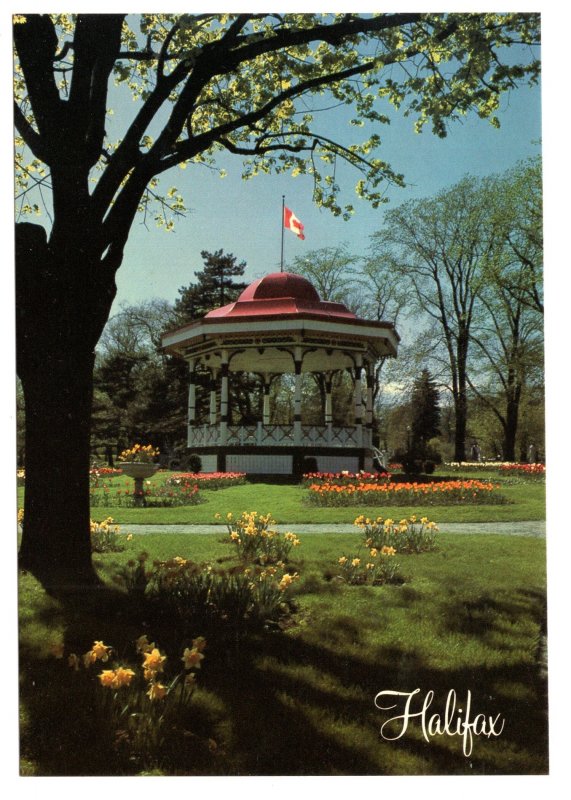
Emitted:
<point x="60" y="311"/>
<point x="56" y="544"/>
<point x="511" y="420"/>
<point x="461" y="420"/>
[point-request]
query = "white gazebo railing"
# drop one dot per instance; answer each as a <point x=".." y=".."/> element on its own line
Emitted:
<point x="279" y="436"/>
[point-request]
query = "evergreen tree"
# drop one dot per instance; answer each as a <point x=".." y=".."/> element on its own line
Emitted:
<point x="215" y="286"/>
<point x="425" y="423"/>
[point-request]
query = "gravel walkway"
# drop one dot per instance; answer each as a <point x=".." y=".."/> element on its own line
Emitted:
<point x="536" y="529"/>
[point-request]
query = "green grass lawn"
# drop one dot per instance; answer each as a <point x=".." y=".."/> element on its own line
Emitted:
<point x="300" y="701"/>
<point x="286" y="504"/>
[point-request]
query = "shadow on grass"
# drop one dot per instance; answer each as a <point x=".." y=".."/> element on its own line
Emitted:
<point x="291" y="706"/>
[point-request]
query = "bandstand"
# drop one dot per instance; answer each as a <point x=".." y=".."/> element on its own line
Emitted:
<point x="278" y="326"/>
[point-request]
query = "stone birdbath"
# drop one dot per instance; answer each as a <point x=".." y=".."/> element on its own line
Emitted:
<point x="139" y="471"/>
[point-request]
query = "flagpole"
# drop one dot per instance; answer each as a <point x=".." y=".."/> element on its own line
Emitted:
<point x="283" y="212"/>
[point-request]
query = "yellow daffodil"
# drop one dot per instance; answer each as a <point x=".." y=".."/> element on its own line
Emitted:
<point x="191" y="658"/>
<point x="107" y="678"/>
<point x="343" y="560"/>
<point x="123" y="676"/>
<point x="374" y="552"/>
<point x="157" y="691"/>
<point x="286" y="581"/>
<point x="355" y="562"/>
<point x="153" y="661"/>
<point x="143" y="645"/>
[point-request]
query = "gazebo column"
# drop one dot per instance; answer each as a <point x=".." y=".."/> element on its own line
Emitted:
<point x="328" y="411"/>
<point x="369" y="402"/>
<point x="297" y="398"/>
<point x="213" y="409"/>
<point x="266" y="400"/>
<point x="328" y="399"/>
<point x="358" y="399"/>
<point x="191" y="413"/>
<point x="224" y="397"/>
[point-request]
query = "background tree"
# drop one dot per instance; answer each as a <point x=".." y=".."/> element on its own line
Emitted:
<point x="330" y="270"/>
<point x="131" y="376"/>
<point x="443" y="245"/>
<point x="508" y="331"/>
<point x="205" y="83"/>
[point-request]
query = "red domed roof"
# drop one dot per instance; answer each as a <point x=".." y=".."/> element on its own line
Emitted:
<point x="279" y="294"/>
<point x="278" y="285"/>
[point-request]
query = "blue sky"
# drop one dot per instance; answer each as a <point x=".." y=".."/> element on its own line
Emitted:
<point x="244" y="217"/>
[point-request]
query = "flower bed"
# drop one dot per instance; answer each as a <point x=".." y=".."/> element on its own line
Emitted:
<point x="98" y="474"/>
<point x="154" y="496"/>
<point x="503" y="467"/>
<point x="529" y="470"/>
<point x="207" y="480"/>
<point x="405" y="493"/>
<point x="343" y="478"/>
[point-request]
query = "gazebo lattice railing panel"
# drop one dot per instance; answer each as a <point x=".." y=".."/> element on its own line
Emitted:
<point x="278" y="436"/>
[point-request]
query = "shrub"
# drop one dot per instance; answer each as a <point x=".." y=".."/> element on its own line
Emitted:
<point x="193" y="462"/>
<point x="309" y="464"/>
<point x="420" y="460"/>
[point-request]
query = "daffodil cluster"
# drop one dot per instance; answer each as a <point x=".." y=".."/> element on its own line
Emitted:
<point x="140" y="705"/>
<point x="409" y="535"/>
<point x="206" y="594"/>
<point x="256" y="539"/>
<point x="105" y="536"/>
<point x="377" y="566"/>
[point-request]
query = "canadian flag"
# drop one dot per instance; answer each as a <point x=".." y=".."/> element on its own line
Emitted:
<point x="292" y="223"/>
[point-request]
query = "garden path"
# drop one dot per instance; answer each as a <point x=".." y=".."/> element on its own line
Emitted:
<point x="536" y="528"/>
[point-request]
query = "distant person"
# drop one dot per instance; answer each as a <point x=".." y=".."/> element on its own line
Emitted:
<point x="531" y="454"/>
